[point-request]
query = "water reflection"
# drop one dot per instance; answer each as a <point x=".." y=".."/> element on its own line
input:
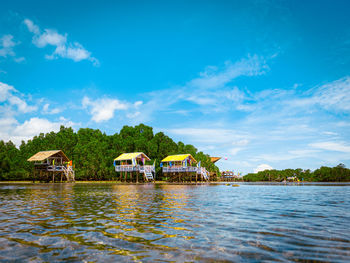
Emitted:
<point x="106" y="222"/>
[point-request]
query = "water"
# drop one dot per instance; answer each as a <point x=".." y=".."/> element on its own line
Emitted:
<point x="123" y="223"/>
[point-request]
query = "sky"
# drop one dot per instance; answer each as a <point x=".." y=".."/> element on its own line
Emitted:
<point x="265" y="84"/>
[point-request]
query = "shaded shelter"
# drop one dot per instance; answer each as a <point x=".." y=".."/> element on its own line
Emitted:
<point x="182" y="167"/>
<point x="131" y="165"/>
<point x="53" y="162"/>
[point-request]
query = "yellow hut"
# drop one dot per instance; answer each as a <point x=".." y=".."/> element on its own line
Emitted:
<point x="131" y="165"/>
<point x="52" y="163"/>
<point x="183" y="167"/>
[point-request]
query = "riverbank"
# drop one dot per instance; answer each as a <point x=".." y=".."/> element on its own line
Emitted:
<point x="186" y="183"/>
<point x="106" y="182"/>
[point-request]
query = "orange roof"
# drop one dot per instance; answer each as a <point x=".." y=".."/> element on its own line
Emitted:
<point x="214" y="159"/>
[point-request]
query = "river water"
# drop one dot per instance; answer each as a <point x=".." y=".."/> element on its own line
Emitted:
<point x="125" y="223"/>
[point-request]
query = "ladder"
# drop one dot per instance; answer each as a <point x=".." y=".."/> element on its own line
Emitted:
<point x="69" y="173"/>
<point x="148" y="173"/>
<point x="204" y="173"/>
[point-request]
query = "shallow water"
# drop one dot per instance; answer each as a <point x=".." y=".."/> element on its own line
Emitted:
<point x="116" y="223"/>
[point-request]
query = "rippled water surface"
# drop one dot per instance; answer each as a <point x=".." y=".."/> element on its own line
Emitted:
<point x="114" y="223"/>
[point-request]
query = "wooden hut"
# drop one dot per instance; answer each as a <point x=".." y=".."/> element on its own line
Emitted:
<point x="51" y="163"/>
<point x="183" y="167"/>
<point x="131" y="165"/>
<point x="228" y="176"/>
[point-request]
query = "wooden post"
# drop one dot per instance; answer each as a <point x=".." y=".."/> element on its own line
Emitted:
<point x="53" y="177"/>
<point x="61" y="176"/>
<point x="137" y="177"/>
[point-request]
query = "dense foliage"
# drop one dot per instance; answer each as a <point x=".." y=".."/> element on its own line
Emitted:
<point x="93" y="152"/>
<point x="323" y="174"/>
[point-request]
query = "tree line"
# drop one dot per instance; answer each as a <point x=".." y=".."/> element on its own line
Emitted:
<point x="338" y="173"/>
<point x="93" y="152"/>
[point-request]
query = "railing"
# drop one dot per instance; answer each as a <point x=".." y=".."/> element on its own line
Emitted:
<point x="175" y="169"/>
<point x="127" y="168"/>
<point x="136" y="168"/>
<point x="55" y="168"/>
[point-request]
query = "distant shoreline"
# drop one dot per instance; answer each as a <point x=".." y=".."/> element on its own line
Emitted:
<point x="180" y="183"/>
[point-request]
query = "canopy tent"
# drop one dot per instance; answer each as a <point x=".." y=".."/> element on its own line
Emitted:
<point x="131" y="156"/>
<point x="178" y="158"/>
<point x="43" y="155"/>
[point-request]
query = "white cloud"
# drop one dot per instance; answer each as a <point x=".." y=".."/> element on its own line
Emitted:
<point x="46" y="109"/>
<point x="103" y="109"/>
<point x="49" y="37"/>
<point x="133" y="115"/>
<point x="242" y="142"/>
<point x="287" y="155"/>
<point x="19" y="59"/>
<point x="208" y="135"/>
<point x="31" y="26"/>
<point x="262" y="167"/>
<point x="330" y="133"/>
<point x="234" y="151"/>
<point x="10" y="129"/>
<point x="335" y="95"/>
<point x="6" y="46"/>
<point x="212" y="78"/>
<point x="35" y="126"/>
<point x="138" y="103"/>
<point x="7" y="96"/>
<point x="332" y="146"/>
<point x="211" y="91"/>
<point x="63" y="48"/>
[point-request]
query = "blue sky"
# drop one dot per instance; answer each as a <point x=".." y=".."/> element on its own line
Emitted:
<point x="263" y="83"/>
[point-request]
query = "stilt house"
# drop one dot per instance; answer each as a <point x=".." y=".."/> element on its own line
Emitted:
<point x="50" y="164"/>
<point x="131" y="165"/>
<point x="183" y="167"/>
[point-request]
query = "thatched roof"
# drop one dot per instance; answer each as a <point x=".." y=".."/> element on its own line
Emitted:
<point x="178" y="158"/>
<point x="214" y="159"/>
<point x="130" y="156"/>
<point x="41" y="156"/>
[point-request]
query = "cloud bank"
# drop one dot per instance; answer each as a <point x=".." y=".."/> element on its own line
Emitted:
<point x="63" y="48"/>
